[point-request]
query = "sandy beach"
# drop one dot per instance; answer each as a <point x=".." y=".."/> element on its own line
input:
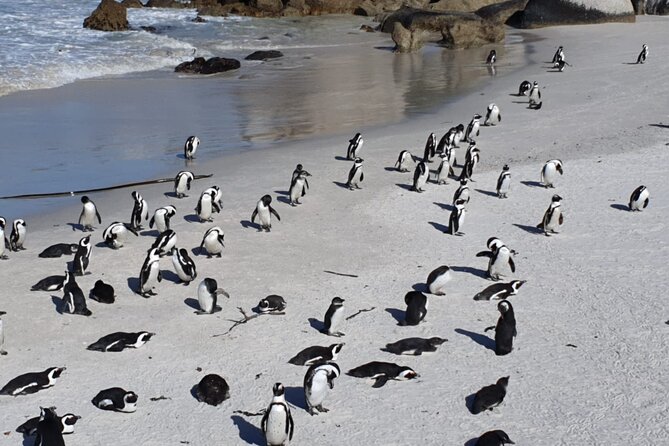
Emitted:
<point x="589" y="364"/>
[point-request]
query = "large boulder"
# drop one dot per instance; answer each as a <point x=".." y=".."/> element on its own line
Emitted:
<point x="407" y="41"/>
<point x="270" y="6"/>
<point x="209" y="66"/>
<point x="108" y="16"/>
<point x="132" y="4"/>
<point x="539" y="13"/>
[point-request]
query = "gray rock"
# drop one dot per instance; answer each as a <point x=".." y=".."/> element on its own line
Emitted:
<point x="210" y="66"/>
<point x="108" y="16"/>
<point x="264" y="55"/>
<point x="539" y="13"/>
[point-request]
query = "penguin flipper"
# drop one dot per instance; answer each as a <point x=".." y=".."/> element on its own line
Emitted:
<point x="160" y="276"/>
<point x="484" y="254"/>
<point x="276" y="214"/>
<point x="380" y="381"/>
<point x="151" y="222"/>
<point x="362" y="176"/>
<point x="253" y="216"/>
<point x="512" y="264"/>
<point x="97" y="214"/>
<point x="645" y="203"/>
<point x="561" y="219"/>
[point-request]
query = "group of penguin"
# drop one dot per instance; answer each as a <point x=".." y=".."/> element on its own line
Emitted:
<point x="277" y="422"/>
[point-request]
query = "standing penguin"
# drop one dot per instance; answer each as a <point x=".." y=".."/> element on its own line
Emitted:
<point x="639" y="199"/>
<point x="643" y="54"/>
<point x="299" y="169"/>
<point x="549" y="172"/>
<point x="430" y="148"/>
<point x="18" y="235"/>
<point x="264" y="211"/>
<point x="444" y="167"/>
<point x="74" y="301"/>
<point x="490" y="396"/>
<point x="535" y="96"/>
<point x="457" y="218"/>
<point x="82" y="257"/>
<point x="558" y="56"/>
<point x="3" y="352"/>
<point x="492" y="57"/>
<point x="190" y="147"/>
<point x="404" y="161"/>
<point x="500" y="256"/>
<point x="183" y="265"/>
<point x="524" y="88"/>
<point x="505" y="330"/>
<point x="504" y="182"/>
<point x="355" y="175"/>
<point x="277" y="423"/>
<point x="298" y="188"/>
<point x="553" y="217"/>
<point x="89" y="213"/>
<point x="150" y="274"/>
<point x="161" y="218"/>
<point x="437" y="280"/>
<point x="213" y="242"/>
<point x="3" y="240"/>
<point x="492" y="116"/>
<point x="420" y="176"/>
<point x="473" y="128"/>
<point x="471" y="161"/>
<point x="333" y="317"/>
<point x="116" y="234"/>
<point x="416" y="308"/>
<point x="165" y="242"/>
<point x="206" y="206"/>
<point x="207" y="296"/>
<point x="140" y="211"/>
<point x="462" y="192"/>
<point x="49" y="429"/>
<point x="354" y="147"/>
<point x="494" y="438"/>
<point x="318" y="381"/>
<point x="217" y="198"/>
<point x="182" y="183"/>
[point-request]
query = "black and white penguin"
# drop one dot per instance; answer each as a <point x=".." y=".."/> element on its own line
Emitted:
<point x="50" y="283"/>
<point x="643" y="54"/>
<point x="437" y="280"/>
<point x="354" y="147"/>
<point x="150" y="274"/>
<point x="457" y="218"/>
<point x="553" y="217"/>
<point x="184" y="266"/>
<point x="444" y="168"/>
<point x="416" y="308"/>
<point x="504" y="182"/>
<point x="32" y="382"/>
<point x="277" y="423"/>
<point x="414" y="346"/>
<point x="18" y="235"/>
<point x="472" y="157"/>
<point x="458" y="135"/>
<point x="217" y="197"/>
<point x="561" y="64"/>
<point x="165" y="242"/>
<point x="550" y="171"/>
<point x="446" y="141"/>
<point x="298" y="188"/>
<point x="500" y="290"/>
<point x="103" y="293"/>
<point x="535" y="96"/>
<point x="140" y="211"/>
<point x="381" y="372"/>
<point x="318" y="381"/>
<point x="316" y="353"/>
<point x="116" y="399"/>
<point x="490" y="396"/>
<point x="58" y="250"/>
<point x="505" y="330"/>
<point x="82" y="256"/>
<point x="206" y="206"/>
<point x="3" y="352"/>
<point x="492" y="57"/>
<point x="639" y="199"/>
<point x="462" y="192"/>
<point x="420" y="176"/>
<point x="404" y="161"/>
<point x="116" y="342"/>
<point x="89" y="214"/>
<point x="494" y="438"/>
<point x="492" y="116"/>
<point x="334" y="317"/>
<point x="207" y="296"/>
<point x="74" y="301"/>
<point x="430" y="149"/>
<point x="355" y="175"/>
<point x="182" y="183"/>
<point x="49" y="429"/>
<point x="299" y="169"/>
<point x="212" y="242"/>
<point x="524" y="88"/>
<point x="212" y="389"/>
<point x="116" y="234"/>
<point x="500" y="256"/>
<point x="272" y="304"/>
<point x="190" y="147"/>
<point x="3" y="241"/>
<point x="264" y="211"/>
<point x="473" y="128"/>
<point x="67" y="422"/>
<point x="161" y="218"/>
<point x="558" y="56"/>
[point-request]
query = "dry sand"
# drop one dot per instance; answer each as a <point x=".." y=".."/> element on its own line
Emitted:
<point x="596" y="285"/>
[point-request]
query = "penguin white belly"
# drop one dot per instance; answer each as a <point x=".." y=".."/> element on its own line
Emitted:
<point x="152" y="279"/>
<point x="205" y="209"/>
<point x="212" y="244"/>
<point x="206" y="302"/>
<point x="638" y="204"/>
<point x="548" y="175"/>
<point x="121" y="234"/>
<point x="88" y="215"/>
<point x="264" y="216"/>
<point x="179" y="269"/>
<point x="336" y="320"/>
<point x="2" y="338"/>
<point x="276" y="426"/>
<point x="505" y="186"/>
<point x="128" y="408"/>
<point x="475" y="129"/>
<point x="161" y="224"/>
<point x="497" y="264"/>
<point x="461" y="219"/>
<point x="318" y="390"/>
<point x="442" y="178"/>
<point x="144" y="213"/>
<point x="493" y="119"/>
<point x="438" y="286"/>
<point x="422" y="179"/>
<point x="296" y="191"/>
<point x="553" y="223"/>
<point x="2" y="243"/>
<point x="22" y="237"/>
<point x="534" y="96"/>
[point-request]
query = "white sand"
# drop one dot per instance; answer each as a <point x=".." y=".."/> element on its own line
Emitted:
<point x="596" y="285"/>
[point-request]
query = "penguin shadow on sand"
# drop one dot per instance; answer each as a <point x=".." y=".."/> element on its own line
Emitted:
<point x="486" y="192"/>
<point x="170" y="276"/>
<point x="316" y="324"/>
<point x="471" y="442"/>
<point x="192" y="218"/>
<point x="444" y="206"/>
<point x="295" y="397"/>
<point x="133" y="284"/>
<point x="248" y="432"/>
<point x="283" y="199"/>
<point x="532" y="183"/>
<point x="282" y="192"/>
<point x="170" y="194"/>
<point x="76" y="227"/>
<point x="340" y="184"/>
<point x="530" y="229"/>
<point x="195" y="305"/>
<point x="58" y="303"/>
<point x="248" y="224"/>
<point x="620" y="207"/>
<point x="397" y="314"/>
<point x="151" y="232"/>
<point x="438" y="226"/>
<point x="479" y="338"/>
<point x="101" y="245"/>
<point x="471" y="270"/>
<point x="660" y="125"/>
<point x="404" y="186"/>
<point x="421" y="287"/>
<point x="342" y="158"/>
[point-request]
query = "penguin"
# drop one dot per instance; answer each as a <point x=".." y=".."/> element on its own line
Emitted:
<point x="457" y="218"/>
<point x="354" y="147"/>
<point x="414" y="346"/>
<point x="504" y="182"/>
<point x="212" y="389"/>
<point x="3" y="240"/>
<point x="3" y="352"/>
<point x="67" y="422"/>
<point x="501" y="256"/>
<point x="212" y="242"/>
<point x="298" y="188"/>
<point x="102" y="292"/>
<point x="277" y="423"/>
<point x="18" y="235"/>
<point x="462" y="193"/>
<point x="416" y="308"/>
<point x="161" y="218"/>
<point x="316" y="353"/>
<point x="505" y="330"/>
<point x="430" y="148"/>
<point x="404" y="161"/>
<point x="494" y="438"/>
<point x="49" y="429"/>
<point x="217" y="197"/>
<point x="492" y="58"/>
<point x="643" y="54"/>
<point x="207" y="296"/>
<point x="535" y="96"/>
<point x="458" y="135"/>
<point x="490" y="396"/>
<point x="500" y="290"/>
<point x="333" y="317"/>
<point x="446" y="141"/>
<point x="420" y="176"/>
<point x="272" y="304"/>
<point x="381" y="372"/>
<point x="116" y="234"/>
<point x="190" y="147"/>
<point x="549" y="172"/>
<point x="558" y="56"/>
<point x="83" y="256"/>
<point x="524" y="88"/>
<point x="639" y="199"/>
<point x="472" y="157"/>
<point x="74" y="301"/>
<point x="473" y="128"/>
<point x="32" y="382"/>
<point x="50" y="283"/>
<point x="444" y="167"/>
<point x="89" y="214"/>
<point x="493" y="116"/>
<point x="116" y="399"/>
<point x="298" y="170"/>
<point x="58" y="250"/>
<point x="184" y="266"/>
<point x="318" y="381"/>
<point x="437" y="280"/>
<point x="553" y="217"/>
<point x="165" y="242"/>
<point x="206" y="206"/>
<point x="150" y="274"/>
<point x="561" y="64"/>
<point x="264" y="211"/>
<point x="140" y="211"/>
<point x="182" y="183"/>
<point x="355" y="175"/>
<point x="116" y="342"/>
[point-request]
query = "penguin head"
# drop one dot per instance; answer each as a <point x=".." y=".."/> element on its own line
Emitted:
<point x="463" y="182"/>
<point x="210" y="284"/>
<point x="85" y="241"/>
<point x="144" y="336"/>
<point x="55" y="372"/>
<point x="3" y="223"/>
<point x="85" y="199"/>
<point x="130" y="398"/>
<point x="494" y="243"/>
<point x="278" y="389"/>
<point x="136" y="196"/>
<point x="502" y="436"/>
<point x="504" y="307"/>
<point x="516" y="284"/>
<point x="407" y="373"/>
<point x="68" y="421"/>
<point x="358" y="160"/>
<point x="153" y="254"/>
<point x="477" y="116"/>
<point x="19" y="222"/>
<point x="335" y="349"/>
<point x="505" y="168"/>
<point x="556" y="198"/>
<point x="503" y="382"/>
<point x="266" y="200"/>
<point x="2" y="313"/>
<point x="46" y="413"/>
<point x="435" y="341"/>
<point x="337" y="302"/>
<point x="460" y="128"/>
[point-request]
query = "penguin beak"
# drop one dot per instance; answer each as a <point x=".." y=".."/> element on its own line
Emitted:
<point x="2" y="313"/>
<point x="221" y="291"/>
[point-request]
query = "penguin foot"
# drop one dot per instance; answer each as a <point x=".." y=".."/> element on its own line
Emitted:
<point x="322" y="409"/>
<point x="4" y="258"/>
<point x="3" y="353"/>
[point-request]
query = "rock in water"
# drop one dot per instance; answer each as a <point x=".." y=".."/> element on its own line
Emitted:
<point x="407" y="41"/>
<point x="264" y="55"/>
<point x="210" y="66"/>
<point x="540" y="13"/>
<point x="132" y="4"/>
<point x="108" y="16"/>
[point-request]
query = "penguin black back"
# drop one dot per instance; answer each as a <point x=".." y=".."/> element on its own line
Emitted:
<point x="212" y="389"/>
<point x="49" y="429"/>
<point x="505" y="330"/>
<point x="416" y="308"/>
